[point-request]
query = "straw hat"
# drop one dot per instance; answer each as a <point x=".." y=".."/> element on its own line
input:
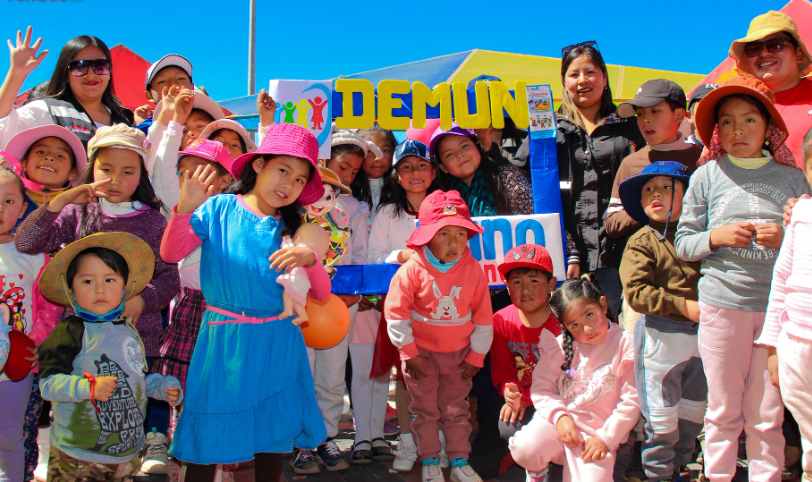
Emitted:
<point x="764" y="26"/>
<point x="331" y="178"/>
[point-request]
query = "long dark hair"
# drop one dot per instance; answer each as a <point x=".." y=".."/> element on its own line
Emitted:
<point x="58" y="86"/>
<point x="493" y="178"/>
<point x="290" y="214"/>
<point x="143" y="193"/>
<point x="572" y="291"/>
<point x="360" y="185"/>
<point x="567" y="107"/>
<point x="394" y="194"/>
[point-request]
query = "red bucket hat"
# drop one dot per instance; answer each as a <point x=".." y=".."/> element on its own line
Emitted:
<point x="532" y="256"/>
<point x="289" y="140"/>
<point x="438" y="210"/>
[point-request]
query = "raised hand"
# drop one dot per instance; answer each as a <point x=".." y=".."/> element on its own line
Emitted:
<point x="24" y="58"/>
<point x="197" y="188"/>
<point x="266" y="108"/>
<point x="82" y="194"/>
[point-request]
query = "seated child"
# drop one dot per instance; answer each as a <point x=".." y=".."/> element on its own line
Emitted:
<point x="439" y="315"/>
<point x="583" y="391"/>
<point x="296" y="281"/>
<point x="663" y="289"/>
<point x="92" y="365"/>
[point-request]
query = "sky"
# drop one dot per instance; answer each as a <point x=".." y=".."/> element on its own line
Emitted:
<point x="319" y="40"/>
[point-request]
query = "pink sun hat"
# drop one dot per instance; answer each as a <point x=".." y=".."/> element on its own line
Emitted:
<point x="19" y="145"/>
<point x="289" y="140"/>
<point x="209" y="150"/>
<point x="438" y="210"/>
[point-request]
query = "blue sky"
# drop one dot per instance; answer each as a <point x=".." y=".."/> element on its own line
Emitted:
<point x="324" y="39"/>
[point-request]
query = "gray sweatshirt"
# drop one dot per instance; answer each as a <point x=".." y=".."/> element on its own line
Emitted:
<point x="721" y="193"/>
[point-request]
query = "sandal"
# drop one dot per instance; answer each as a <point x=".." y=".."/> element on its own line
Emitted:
<point x="361" y="456"/>
<point x="382" y="452"/>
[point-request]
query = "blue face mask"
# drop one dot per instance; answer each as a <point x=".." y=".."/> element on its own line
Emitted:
<point x="93" y="317"/>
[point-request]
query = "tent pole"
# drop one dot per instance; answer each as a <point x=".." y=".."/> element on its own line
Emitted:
<point x="252" y="39"/>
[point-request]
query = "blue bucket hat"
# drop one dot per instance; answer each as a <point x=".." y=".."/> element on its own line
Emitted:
<point x="631" y="190"/>
<point x="411" y="147"/>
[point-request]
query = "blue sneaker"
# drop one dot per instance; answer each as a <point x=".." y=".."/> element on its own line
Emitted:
<point x="304" y="462"/>
<point x="330" y="455"/>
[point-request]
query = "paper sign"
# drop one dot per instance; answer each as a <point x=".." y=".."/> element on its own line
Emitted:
<point x="307" y="103"/>
<point x="542" y="116"/>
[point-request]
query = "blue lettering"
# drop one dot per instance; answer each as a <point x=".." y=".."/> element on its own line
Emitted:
<point x="491" y="226"/>
<point x="474" y="244"/>
<point x="530" y="225"/>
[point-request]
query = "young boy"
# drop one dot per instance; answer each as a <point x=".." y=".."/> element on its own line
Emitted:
<point x="170" y="70"/>
<point x="663" y="288"/>
<point x="660" y="108"/>
<point x="92" y="365"/>
<point x="699" y="93"/>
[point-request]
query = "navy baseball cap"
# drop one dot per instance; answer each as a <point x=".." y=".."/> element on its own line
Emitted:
<point x="650" y="94"/>
<point x="411" y="147"/>
<point x="631" y="190"/>
<point x="701" y="92"/>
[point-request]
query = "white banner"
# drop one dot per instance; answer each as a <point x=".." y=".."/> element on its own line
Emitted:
<point x="307" y="103"/>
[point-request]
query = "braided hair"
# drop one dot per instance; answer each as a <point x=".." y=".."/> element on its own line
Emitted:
<point x="572" y="291"/>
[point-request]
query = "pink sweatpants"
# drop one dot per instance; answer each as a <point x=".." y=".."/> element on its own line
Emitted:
<point x="740" y="396"/>
<point x="537" y="444"/>
<point x="794" y="359"/>
<point x="441" y="395"/>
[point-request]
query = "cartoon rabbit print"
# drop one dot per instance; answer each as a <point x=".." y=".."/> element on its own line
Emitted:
<point x="447" y="308"/>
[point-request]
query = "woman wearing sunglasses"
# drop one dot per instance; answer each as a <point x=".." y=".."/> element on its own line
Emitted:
<point x="774" y="52"/>
<point x="592" y="140"/>
<point x="78" y="96"/>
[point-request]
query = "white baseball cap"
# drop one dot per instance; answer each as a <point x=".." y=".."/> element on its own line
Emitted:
<point x="171" y="60"/>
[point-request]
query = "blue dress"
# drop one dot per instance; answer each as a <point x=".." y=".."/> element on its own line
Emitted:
<point x="249" y="388"/>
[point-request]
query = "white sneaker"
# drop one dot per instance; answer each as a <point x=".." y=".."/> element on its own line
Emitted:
<point x="464" y="474"/>
<point x="433" y="473"/>
<point x="443" y="455"/>
<point x="155" y="456"/>
<point x="44" y="444"/>
<point x="405" y="456"/>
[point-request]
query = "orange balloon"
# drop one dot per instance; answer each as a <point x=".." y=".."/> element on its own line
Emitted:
<point x="328" y="323"/>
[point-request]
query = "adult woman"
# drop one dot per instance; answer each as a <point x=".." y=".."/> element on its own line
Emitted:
<point x="592" y="140"/>
<point x="79" y="95"/>
<point x="774" y="52"/>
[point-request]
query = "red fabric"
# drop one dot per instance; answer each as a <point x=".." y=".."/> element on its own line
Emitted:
<point x="385" y="356"/>
<point x="515" y="350"/>
<point x="129" y="76"/>
<point x="782" y="154"/>
<point x="795" y="106"/>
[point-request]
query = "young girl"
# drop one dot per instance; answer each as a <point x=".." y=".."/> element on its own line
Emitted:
<point x="487" y="187"/>
<point x="585" y="397"/>
<point x="413" y="178"/>
<point x="18" y="272"/>
<point x="731" y="221"/>
<point x="269" y="371"/>
<point x="232" y="134"/>
<point x="93" y="365"/>
<point x="369" y="182"/>
<point x="439" y="317"/>
<point x="786" y="325"/>
<point x="51" y="159"/>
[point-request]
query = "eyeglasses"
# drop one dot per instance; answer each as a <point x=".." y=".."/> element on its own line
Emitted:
<point x="588" y="43"/>
<point x="774" y="45"/>
<point x="79" y="68"/>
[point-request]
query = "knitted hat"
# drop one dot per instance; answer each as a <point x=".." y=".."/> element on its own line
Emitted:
<point x="121" y="137"/>
<point x="764" y="26"/>
<point x="232" y="126"/>
<point x="289" y="140"/>
<point x="18" y="146"/>
<point x="201" y="101"/>
<point x="455" y="130"/>
<point x="346" y="136"/>
<point x="438" y="210"/>
<point x="532" y="256"/>
<point x="631" y="189"/>
<point x="213" y="151"/>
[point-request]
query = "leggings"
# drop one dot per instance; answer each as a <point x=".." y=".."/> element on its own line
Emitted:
<point x="267" y="468"/>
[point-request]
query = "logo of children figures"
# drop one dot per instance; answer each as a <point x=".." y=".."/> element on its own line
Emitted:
<point x="305" y="104"/>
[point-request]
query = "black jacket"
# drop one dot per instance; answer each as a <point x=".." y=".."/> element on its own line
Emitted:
<point x="589" y="164"/>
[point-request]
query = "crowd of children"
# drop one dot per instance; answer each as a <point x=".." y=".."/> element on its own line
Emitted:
<point x="175" y="262"/>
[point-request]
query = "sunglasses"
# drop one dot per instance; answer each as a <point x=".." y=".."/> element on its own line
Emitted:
<point x="79" y="68"/>
<point x="774" y="45"/>
<point x="588" y="43"/>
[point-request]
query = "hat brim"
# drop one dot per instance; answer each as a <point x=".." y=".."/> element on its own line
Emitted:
<point x="423" y="234"/>
<point x="342" y="189"/>
<point x="509" y="266"/>
<point x="313" y="190"/>
<point x="136" y="252"/>
<point x="430" y="161"/>
<point x="231" y="125"/>
<point x="170" y="60"/>
<point x="704" y="117"/>
<point x="207" y="157"/>
<point x="202" y="102"/>
<point x="16" y="367"/>
<point x="737" y="48"/>
<point x="631" y="192"/>
<point x="18" y="146"/>
<point x="629" y="108"/>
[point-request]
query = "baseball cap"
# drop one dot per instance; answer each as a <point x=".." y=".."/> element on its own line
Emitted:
<point x="650" y="94"/>
<point x="410" y="147"/>
<point x="455" y="130"/>
<point x="438" y="210"/>
<point x="631" y="189"/>
<point x="700" y="92"/>
<point x="532" y="256"/>
<point x="171" y="60"/>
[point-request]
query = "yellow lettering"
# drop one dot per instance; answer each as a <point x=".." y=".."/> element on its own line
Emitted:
<point x="349" y="120"/>
<point x="462" y="114"/>
<point x="422" y="95"/>
<point x="516" y="109"/>
<point x="387" y="103"/>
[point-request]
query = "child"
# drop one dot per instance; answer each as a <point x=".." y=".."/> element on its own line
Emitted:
<point x="786" y="325"/>
<point x="368" y="185"/>
<point x="698" y="94"/>
<point x="170" y="70"/>
<point x="584" y="391"/>
<point x="18" y="272"/>
<point x="528" y="274"/>
<point x="232" y="134"/>
<point x="660" y="108"/>
<point x="439" y="317"/>
<point x="238" y="232"/>
<point x="51" y="159"/>
<point x="671" y="384"/>
<point x="413" y="178"/>
<point x="731" y="221"/>
<point x="93" y="365"/>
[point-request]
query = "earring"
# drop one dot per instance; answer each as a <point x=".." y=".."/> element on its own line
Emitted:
<point x="767" y="142"/>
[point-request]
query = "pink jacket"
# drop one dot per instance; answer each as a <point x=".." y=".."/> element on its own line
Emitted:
<point x="598" y="392"/>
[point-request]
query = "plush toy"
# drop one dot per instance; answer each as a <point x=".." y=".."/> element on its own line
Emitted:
<point x="321" y="213"/>
<point x="295" y="281"/>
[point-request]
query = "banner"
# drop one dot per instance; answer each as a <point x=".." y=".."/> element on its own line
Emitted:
<point x="306" y="103"/>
